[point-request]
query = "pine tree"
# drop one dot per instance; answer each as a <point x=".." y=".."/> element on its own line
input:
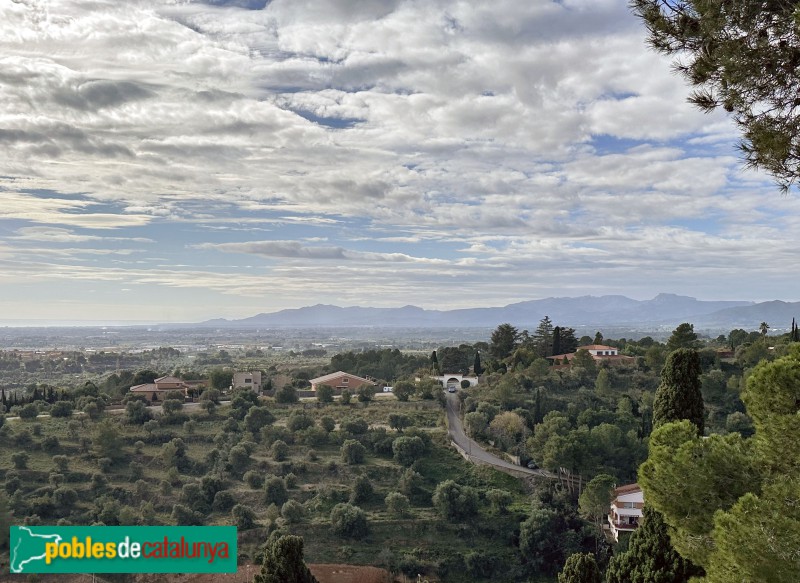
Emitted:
<point x="580" y="568"/>
<point x="543" y="337"/>
<point x="678" y="396"/>
<point x="283" y="562"/>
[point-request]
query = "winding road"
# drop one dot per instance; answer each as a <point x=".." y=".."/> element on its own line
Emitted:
<point x="476" y="451"/>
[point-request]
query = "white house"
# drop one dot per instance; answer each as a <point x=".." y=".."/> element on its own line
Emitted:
<point x="249" y="380"/>
<point x="626" y="509"/>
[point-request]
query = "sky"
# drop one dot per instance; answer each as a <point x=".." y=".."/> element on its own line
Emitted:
<point x="183" y="160"/>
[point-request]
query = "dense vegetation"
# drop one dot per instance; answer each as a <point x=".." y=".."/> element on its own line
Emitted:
<point x="374" y="481"/>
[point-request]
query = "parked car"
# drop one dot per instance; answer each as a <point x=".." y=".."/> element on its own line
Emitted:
<point x="451" y="389"/>
<point x="532" y="466"/>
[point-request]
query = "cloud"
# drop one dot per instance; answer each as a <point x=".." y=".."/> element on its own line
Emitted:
<point x="295" y="250"/>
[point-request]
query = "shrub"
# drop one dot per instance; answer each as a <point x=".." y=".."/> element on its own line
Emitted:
<point x="348" y="520"/>
<point x="355" y="425"/>
<point x="137" y="413"/>
<point x="61" y="462"/>
<point x="290" y="480"/>
<point x="397" y="504"/>
<point x="499" y="499"/>
<point x="275" y="491"/>
<point x="254" y="479"/>
<point x="50" y="443"/>
<point x="279" y="450"/>
<point x="352" y="452"/>
<point x="345" y="399"/>
<point x="238" y="459"/>
<point x="138" y="446"/>
<point x="223" y="501"/>
<point x="298" y="421"/>
<point x="105" y="463"/>
<point x="327" y="423"/>
<point x="243" y="516"/>
<point x="366" y="392"/>
<point x="137" y="471"/>
<point x="185" y="516"/>
<point x="20" y="460"/>
<point x="454" y="501"/>
<point x="399" y="421"/>
<point x="61" y="409"/>
<point x="403" y="390"/>
<point x="325" y="394"/>
<point x="362" y="490"/>
<point x="407" y="450"/>
<point x="288" y="394"/>
<point x="29" y="411"/>
<point x="258" y="417"/>
<point x="293" y="511"/>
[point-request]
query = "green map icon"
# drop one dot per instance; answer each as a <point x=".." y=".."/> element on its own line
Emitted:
<point x="28" y="547"/>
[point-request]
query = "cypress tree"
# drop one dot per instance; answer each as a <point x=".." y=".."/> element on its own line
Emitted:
<point x="557" y="341"/>
<point x="580" y="568"/>
<point x="434" y="362"/>
<point x="650" y="557"/>
<point x="678" y="396"/>
<point x="476" y="365"/>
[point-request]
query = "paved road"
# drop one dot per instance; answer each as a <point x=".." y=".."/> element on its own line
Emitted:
<point x="475" y="450"/>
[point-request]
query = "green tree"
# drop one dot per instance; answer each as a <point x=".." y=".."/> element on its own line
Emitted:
<point x="477" y="367"/>
<point x="325" y="394"/>
<point x="602" y="385"/>
<point x="503" y="341"/>
<point x="543" y="337"/>
<point x="407" y="450"/>
<point x="397" y="504"/>
<point x="741" y="56"/>
<point x="243" y="516"/>
<point x="541" y="540"/>
<point x="499" y="499"/>
<point x="362" y="490"/>
<point x="283" y="562"/>
<point x="257" y="418"/>
<point x="353" y="452"/>
<point x="366" y="392"/>
<point x="580" y="568"/>
<point x="275" y="491"/>
<point x="108" y="441"/>
<point x="595" y="500"/>
<point x="398" y="421"/>
<point x="748" y="528"/>
<point x="650" y="557"/>
<point x="220" y="379"/>
<point x="454" y="501"/>
<point x="402" y="390"/>
<point x="679" y="395"/>
<point x="763" y="329"/>
<point x="683" y="337"/>
<point x="287" y="394"/>
<point x="434" y="363"/>
<point x="348" y="520"/>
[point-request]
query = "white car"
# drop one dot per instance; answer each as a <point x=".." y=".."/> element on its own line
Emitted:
<point x="451" y="389"/>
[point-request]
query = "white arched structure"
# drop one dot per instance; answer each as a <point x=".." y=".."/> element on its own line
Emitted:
<point x="454" y="380"/>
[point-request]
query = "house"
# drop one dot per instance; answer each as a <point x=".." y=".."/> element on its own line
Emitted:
<point x="340" y="380"/>
<point x="599" y="352"/>
<point x="248" y="380"/>
<point x="626" y="509"/>
<point x="455" y="380"/>
<point x="158" y="389"/>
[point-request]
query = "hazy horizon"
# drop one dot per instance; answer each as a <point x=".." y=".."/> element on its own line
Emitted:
<point x="179" y="161"/>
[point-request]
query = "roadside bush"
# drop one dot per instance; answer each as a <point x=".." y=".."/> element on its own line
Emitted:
<point x="366" y="393"/>
<point x="29" y="411"/>
<point x="61" y="409"/>
<point x="348" y="520"/>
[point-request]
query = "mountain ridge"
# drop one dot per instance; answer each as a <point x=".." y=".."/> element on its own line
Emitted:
<point x="664" y="309"/>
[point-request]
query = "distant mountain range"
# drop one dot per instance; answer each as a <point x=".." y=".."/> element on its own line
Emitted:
<point x="614" y="310"/>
